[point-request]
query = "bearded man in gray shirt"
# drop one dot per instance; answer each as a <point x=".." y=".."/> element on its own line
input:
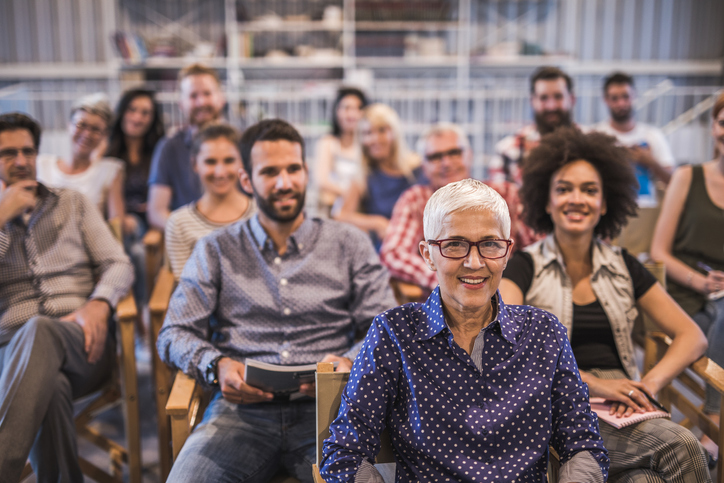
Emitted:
<point x="281" y="288"/>
<point x="61" y="275"/>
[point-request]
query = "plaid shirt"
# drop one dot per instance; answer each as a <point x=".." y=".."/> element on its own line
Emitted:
<point x="400" y="253"/>
<point x="64" y="256"/>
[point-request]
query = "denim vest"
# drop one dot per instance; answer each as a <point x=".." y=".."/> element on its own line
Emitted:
<point x="552" y="290"/>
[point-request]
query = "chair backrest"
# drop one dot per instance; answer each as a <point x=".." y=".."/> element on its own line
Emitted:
<point x="330" y="385"/>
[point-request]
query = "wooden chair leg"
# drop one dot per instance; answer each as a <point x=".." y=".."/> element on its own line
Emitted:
<point x="129" y="388"/>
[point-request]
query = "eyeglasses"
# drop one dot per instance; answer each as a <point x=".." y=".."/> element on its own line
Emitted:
<point x="451" y="153"/>
<point x="456" y="249"/>
<point x="94" y="130"/>
<point x="10" y="153"/>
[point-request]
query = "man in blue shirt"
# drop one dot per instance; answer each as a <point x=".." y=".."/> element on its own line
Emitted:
<point x="172" y="181"/>
<point x="280" y="288"/>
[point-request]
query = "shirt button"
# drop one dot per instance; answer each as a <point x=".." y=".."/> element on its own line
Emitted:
<point x="283" y="281"/>
<point x="301" y="246"/>
<point x="287" y="311"/>
<point x="285" y="354"/>
<point x="489" y="460"/>
<point x="278" y="260"/>
<point x="484" y="432"/>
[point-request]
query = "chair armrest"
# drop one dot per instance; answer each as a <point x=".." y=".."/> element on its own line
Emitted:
<point x="406" y="292"/>
<point x="153" y="239"/>
<point x="162" y="291"/>
<point x="126" y="311"/>
<point x="182" y="395"/>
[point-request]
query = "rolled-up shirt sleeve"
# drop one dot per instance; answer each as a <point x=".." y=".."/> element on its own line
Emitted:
<point x="575" y="434"/>
<point x="371" y="390"/>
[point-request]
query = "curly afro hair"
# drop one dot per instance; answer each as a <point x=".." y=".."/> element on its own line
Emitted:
<point x="568" y="144"/>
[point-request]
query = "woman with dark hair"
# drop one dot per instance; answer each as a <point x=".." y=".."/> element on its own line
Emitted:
<point x="338" y="153"/>
<point x="580" y="189"/>
<point x="137" y="128"/>
<point x="689" y="239"/>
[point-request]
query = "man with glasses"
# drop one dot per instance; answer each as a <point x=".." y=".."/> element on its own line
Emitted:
<point x="172" y="181"/>
<point x="280" y="288"/>
<point x="61" y="275"/>
<point x="447" y="156"/>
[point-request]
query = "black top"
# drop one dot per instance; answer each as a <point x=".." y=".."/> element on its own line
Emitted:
<point x="135" y="188"/>
<point x="591" y="337"/>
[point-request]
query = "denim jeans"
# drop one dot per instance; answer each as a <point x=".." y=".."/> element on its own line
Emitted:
<point x="133" y="246"/>
<point x="711" y="321"/>
<point x="249" y="442"/>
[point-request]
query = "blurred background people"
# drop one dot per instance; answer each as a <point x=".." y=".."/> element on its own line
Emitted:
<point x="388" y="169"/>
<point x="101" y="180"/>
<point x="137" y="127"/>
<point x="552" y="101"/>
<point x="217" y="162"/>
<point x="580" y="189"/>
<point x="689" y="239"/>
<point x="339" y="154"/>
<point x="172" y="182"/>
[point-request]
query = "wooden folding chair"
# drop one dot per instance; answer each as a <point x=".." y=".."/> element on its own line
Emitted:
<point x="123" y="386"/>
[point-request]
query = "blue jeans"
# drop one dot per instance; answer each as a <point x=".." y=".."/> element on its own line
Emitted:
<point x="249" y="443"/>
<point x="711" y="321"/>
<point x="133" y="246"/>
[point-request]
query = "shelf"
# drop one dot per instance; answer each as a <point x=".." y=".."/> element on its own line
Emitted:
<point x="290" y="26"/>
<point x="174" y="63"/>
<point x="402" y="62"/>
<point x="59" y="70"/>
<point x="404" y="25"/>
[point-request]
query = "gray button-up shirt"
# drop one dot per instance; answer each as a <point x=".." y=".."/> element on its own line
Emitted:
<point x="238" y="297"/>
<point x="64" y="256"/>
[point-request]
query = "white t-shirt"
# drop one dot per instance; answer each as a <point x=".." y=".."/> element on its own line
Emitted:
<point x="651" y="136"/>
<point x="95" y="182"/>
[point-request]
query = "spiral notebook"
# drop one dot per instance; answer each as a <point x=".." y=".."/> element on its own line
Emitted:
<point x="601" y="407"/>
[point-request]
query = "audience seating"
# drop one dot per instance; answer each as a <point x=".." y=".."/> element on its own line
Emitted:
<point x="406" y="292"/>
<point x="694" y="379"/>
<point x="123" y="386"/>
<point x="162" y="374"/>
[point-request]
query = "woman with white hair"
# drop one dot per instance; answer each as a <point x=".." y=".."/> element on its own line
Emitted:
<point x="470" y="389"/>
<point x="388" y="169"/>
<point x="101" y="180"/>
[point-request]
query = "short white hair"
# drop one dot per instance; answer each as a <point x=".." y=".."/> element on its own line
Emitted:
<point x="437" y="130"/>
<point x="468" y="194"/>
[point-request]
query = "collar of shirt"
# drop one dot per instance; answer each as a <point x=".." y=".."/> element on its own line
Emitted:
<point x="188" y="135"/>
<point x="434" y="321"/>
<point x="603" y="256"/>
<point x="302" y="236"/>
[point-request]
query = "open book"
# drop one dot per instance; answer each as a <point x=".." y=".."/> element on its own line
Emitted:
<point x="602" y="406"/>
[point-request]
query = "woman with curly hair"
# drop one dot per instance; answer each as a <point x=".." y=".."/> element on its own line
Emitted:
<point x="580" y="189"/>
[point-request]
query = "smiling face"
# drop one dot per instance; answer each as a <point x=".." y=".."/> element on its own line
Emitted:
<point x="468" y="284"/>
<point x="552" y="104"/>
<point x="349" y="112"/>
<point x="576" y="201"/>
<point x="377" y="140"/>
<point x="86" y="132"/>
<point x="717" y="131"/>
<point x="138" y="117"/>
<point x="201" y="99"/>
<point x="278" y="180"/>
<point x="217" y="164"/>
<point x="445" y="159"/>
<point x="619" y="99"/>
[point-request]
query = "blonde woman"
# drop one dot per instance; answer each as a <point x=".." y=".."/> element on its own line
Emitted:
<point x="388" y="169"/>
<point x="101" y="180"/>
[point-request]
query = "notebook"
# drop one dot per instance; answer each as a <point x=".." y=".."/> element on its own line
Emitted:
<point x="601" y="407"/>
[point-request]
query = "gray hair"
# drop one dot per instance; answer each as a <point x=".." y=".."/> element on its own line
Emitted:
<point x="438" y="129"/>
<point x="94" y="104"/>
<point x="468" y="194"/>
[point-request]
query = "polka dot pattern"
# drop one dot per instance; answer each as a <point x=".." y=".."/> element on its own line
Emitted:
<point x="453" y="418"/>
